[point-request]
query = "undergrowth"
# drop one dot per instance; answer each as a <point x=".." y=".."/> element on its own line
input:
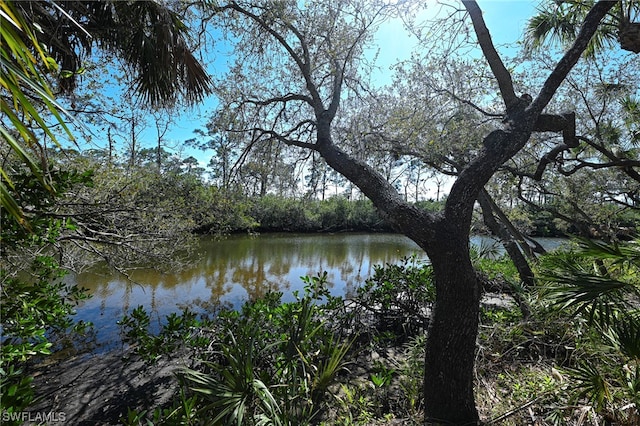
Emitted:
<point x="322" y="360"/>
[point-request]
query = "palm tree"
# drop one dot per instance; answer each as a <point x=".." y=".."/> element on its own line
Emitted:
<point x="560" y="20"/>
<point x="599" y="283"/>
<point x="25" y="94"/>
<point x="42" y="41"/>
<point x="150" y="38"/>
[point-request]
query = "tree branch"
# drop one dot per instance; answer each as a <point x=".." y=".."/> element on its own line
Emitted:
<point x="340" y="70"/>
<point x="565" y="123"/>
<point x="571" y="57"/>
<point x="281" y="99"/>
<point x="549" y="157"/>
<point x="301" y="62"/>
<point x="468" y="102"/>
<point x="383" y="195"/>
<point x="500" y="72"/>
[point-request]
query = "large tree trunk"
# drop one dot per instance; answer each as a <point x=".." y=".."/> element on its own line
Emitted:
<point x="453" y="327"/>
<point x="451" y="339"/>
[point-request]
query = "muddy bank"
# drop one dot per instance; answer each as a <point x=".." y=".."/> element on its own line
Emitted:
<point x="98" y="389"/>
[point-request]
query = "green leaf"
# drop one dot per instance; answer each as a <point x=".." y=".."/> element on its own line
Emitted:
<point x="51" y="64"/>
<point x="12" y="390"/>
<point x="9" y="203"/>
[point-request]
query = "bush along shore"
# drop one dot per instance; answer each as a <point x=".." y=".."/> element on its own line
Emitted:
<point x="572" y="359"/>
<point x="233" y="213"/>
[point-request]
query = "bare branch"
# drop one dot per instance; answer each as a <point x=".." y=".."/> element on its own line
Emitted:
<point x="549" y="157"/>
<point x="301" y="62"/>
<point x="281" y="99"/>
<point x="468" y="102"/>
<point x="340" y="70"/>
<point x="500" y="72"/>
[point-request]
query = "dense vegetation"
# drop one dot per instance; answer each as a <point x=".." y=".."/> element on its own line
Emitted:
<point x="320" y="360"/>
<point x="304" y="141"/>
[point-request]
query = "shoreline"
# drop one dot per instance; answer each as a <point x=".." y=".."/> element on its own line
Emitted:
<point x="99" y="388"/>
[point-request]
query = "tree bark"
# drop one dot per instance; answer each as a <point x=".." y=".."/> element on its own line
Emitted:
<point x="512" y="249"/>
<point x="453" y="327"/>
<point x="527" y="244"/>
<point x="510" y="245"/>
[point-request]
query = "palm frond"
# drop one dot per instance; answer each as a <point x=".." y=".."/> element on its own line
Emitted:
<point x="328" y="369"/>
<point x="12" y="207"/>
<point x="232" y="388"/>
<point x="22" y="75"/>
<point x="597" y="298"/>
<point x="624" y="334"/>
<point x="153" y="41"/>
<point x="591" y="384"/>
<point x="631" y="107"/>
<point x="598" y="280"/>
<point x="558" y="22"/>
<point x="551" y="25"/>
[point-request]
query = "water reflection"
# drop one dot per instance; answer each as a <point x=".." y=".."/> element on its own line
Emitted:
<point x="235" y="269"/>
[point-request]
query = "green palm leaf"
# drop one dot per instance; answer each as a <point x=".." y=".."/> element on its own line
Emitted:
<point x="232" y="388"/>
<point x="599" y="298"/>
<point x="147" y="35"/>
<point x="624" y="334"/>
<point x="591" y="384"/>
<point x="558" y="22"/>
<point x="24" y="81"/>
<point x="598" y="280"/>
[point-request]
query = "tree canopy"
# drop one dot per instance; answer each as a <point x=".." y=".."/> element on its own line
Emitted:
<point x="297" y="69"/>
<point x="43" y="41"/>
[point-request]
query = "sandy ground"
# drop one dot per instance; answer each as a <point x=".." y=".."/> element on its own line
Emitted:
<point x="97" y="390"/>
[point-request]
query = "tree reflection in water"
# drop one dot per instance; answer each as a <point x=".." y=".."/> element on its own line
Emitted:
<point x="236" y="268"/>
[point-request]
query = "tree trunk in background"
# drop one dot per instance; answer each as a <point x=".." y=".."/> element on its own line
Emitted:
<point x="132" y="159"/>
<point x="512" y="249"/>
<point x="508" y="242"/>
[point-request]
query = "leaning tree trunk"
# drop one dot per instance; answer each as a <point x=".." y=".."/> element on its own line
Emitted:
<point x="511" y="247"/>
<point x="453" y="327"/>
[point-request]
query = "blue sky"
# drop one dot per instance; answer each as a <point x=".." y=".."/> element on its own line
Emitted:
<point x="506" y="20"/>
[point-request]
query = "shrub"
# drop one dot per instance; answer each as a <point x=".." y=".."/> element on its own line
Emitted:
<point x="269" y="363"/>
<point x="597" y="287"/>
<point x="399" y="296"/>
<point x="35" y="302"/>
<point x="32" y="311"/>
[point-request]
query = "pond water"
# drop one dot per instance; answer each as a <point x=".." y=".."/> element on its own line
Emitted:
<point x="240" y="267"/>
